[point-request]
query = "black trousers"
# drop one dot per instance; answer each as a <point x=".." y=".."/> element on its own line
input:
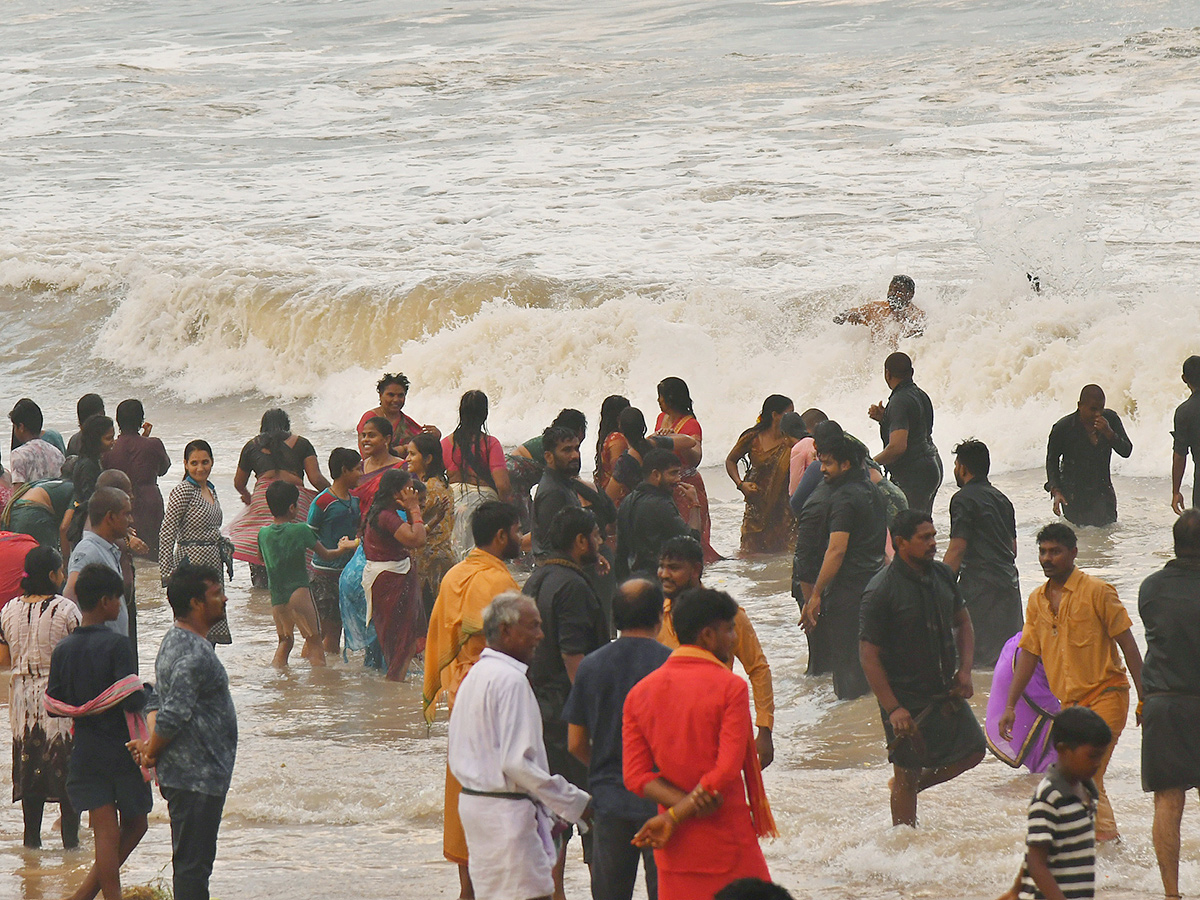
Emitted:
<point x="615" y="859"/>
<point x="195" y="820"/>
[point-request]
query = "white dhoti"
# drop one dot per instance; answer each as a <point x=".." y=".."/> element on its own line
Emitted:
<point x="511" y="849"/>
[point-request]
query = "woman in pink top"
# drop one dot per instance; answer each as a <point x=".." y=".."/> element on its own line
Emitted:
<point x="475" y="466"/>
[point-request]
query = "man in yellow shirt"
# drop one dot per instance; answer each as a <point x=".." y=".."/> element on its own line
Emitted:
<point x="680" y="565"/>
<point x="456" y="640"/>
<point x="1074" y="624"/>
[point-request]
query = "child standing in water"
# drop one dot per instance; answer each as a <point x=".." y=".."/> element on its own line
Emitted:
<point x="282" y="546"/>
<point x="334" y="514"/>
<point x="1060" y="859"/>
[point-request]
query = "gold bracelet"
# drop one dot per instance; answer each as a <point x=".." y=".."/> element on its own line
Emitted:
<point x="671" y="813"/>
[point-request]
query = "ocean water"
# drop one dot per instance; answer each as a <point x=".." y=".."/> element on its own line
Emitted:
<point x="227" y="207"/>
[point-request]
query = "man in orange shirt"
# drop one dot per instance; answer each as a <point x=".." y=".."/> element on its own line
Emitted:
<point x="1074" y="624"/>
<point x="699" y="763"/>
<point x="680" y="566"/>
<point x="456" y="640"/>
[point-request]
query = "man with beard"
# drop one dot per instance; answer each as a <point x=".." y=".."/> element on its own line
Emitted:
<point x="680" y="566"/>
<point x="574" y="624"/>
<point x="983" y="551"/>
<point x="556" y="489"/>
<point x="916" y="644"/>
<point x="648" y="517"/>
<point x="1075" y="624"/>
<point x="456" y="639"/>
<point x="856" y="528"/>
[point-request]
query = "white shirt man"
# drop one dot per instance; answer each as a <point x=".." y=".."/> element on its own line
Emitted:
<point x="496" y="752"/>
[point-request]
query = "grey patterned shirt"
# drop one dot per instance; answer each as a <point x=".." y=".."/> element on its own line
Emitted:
<point x="195" y="712"/>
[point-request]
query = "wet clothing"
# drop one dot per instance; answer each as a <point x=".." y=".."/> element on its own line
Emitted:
<point x="1079" y="469"/>
<point x="86" y="663"/>
<point x="143" y="459"/>
<point x="856" y="508"/>
<point x="283" y="549"/>
<point x="1062" y="818"/>
<point x="41" y="744"/>
<point x="1169" y="604"/>
<point x="1185" y="438"/>
<point x="646" y="519"/>
<point x="555" y="492"/>
<point x="333" y="519"/>
<point x="27" y="517"/>
<point x="909" y="615"/>
<point x="257" y="459"/>
<point x="404" y="429"/>
<point x="918" y="470"/>
<point x="982" y="516"/>
<point x="35" y="460"/>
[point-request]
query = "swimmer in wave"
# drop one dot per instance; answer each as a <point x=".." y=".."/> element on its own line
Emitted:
<point x="896" y="317"/>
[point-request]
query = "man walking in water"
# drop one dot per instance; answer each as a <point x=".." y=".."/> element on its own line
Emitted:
<point x="1186" y="437"/>
<point x="983" y="551"/>
<point x="906" y="428"/>
<point x="916" y="644"/>
<point x="1074" y="624"/>
<point x="1078" y="455"/>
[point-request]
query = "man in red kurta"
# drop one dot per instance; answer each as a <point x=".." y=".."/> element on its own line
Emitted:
<point x="689" y="744"/>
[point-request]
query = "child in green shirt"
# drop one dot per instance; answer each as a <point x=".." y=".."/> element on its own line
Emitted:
<point x="283" y="546"/>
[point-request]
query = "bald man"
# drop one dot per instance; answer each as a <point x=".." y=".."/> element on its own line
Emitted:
<point x="1078" y="456"/>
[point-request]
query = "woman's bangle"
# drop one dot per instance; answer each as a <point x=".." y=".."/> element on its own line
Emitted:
<point x="671" y="813"/>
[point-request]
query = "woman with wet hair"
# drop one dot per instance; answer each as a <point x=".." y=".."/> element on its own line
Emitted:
<point x="475" y="466"/>
<point x="768" y="525"/>
<point x="276" y="454"/>
<point x="677" y="421"/>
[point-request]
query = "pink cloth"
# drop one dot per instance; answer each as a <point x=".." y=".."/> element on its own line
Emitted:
<point x="493" y="453"/>
<point x="104" y="701"/>
<point x="804" y="451"/>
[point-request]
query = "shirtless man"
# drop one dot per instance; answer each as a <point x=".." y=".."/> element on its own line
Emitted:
<point x="897" y="311"/>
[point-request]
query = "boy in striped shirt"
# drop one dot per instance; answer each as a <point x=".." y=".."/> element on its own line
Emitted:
<point x="1060" y="857"/>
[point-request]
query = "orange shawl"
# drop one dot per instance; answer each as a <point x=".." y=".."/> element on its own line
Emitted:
<point x="756" y="792"/>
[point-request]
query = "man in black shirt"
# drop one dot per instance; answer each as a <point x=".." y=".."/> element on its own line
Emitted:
<point x="916" y="645"/>
<point x="556" y="489"/>
<point x="648" y="516"/>
<point x="906" y="428"/>
<point x="574" y="624"/>
<point x="856" y="536"/>
<point x="1078" y="454"/>
<point x="983" y="551"/>
<point x="1169" y="604"/>
<point x="1186" y="436"/>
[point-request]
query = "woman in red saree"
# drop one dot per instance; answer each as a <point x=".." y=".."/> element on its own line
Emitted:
<point x="392" y="529"/>
<point x="375" y="448"/>
<point x="678" y="419"/>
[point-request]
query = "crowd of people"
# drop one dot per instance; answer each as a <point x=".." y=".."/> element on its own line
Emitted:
<point x="410" y="551"/>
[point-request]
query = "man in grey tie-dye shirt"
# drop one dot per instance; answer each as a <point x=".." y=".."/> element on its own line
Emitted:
<point x="194" y="739"/>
